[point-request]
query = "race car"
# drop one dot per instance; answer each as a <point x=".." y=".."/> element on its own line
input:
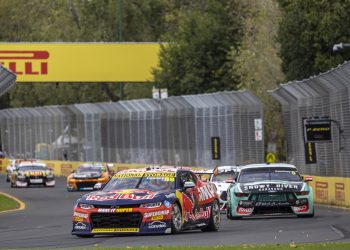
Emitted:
<point x="10" y="168"/>
<point x="222" y="177"/>
<point x="148" y="201"/>
<point x="87" y="175"/>
<point x="270" y="189"/>
<point x="32" y="173"/>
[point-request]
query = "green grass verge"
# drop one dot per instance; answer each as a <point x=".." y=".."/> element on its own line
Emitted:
<point x="7" y="203"/>
<point x="306" y="246"/>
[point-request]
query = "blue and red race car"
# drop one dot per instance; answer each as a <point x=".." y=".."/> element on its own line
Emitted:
<point x="148" y="201"/>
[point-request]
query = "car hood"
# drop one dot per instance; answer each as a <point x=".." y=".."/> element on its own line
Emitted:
<point x="221" y="186"/>
<point x="87" y="175"/>
<point x="271" y="186"/>
<point x="34" y="172"/>
<point x="124" y="197"/>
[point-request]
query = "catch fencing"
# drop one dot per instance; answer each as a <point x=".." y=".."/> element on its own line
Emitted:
<point x="325" y="95"/>
<point x="176" y="130"/>
<point x="7" y="80"/>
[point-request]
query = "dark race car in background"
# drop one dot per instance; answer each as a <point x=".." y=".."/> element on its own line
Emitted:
<point x="148" y="201"/>
<point x="270" y="189"/>
<point x="32" y="173"/>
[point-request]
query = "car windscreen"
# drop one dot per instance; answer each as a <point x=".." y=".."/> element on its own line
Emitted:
<point x="223" y="176"/>
<point x="88" y="169"/>
<point x="32" y="168"/>
<point x="268" y="174"/>
<point x="143" y="181"/>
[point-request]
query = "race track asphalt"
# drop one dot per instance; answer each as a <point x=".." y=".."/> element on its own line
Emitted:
<point x="46" y="223"/>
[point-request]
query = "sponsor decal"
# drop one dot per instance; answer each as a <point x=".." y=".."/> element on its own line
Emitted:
<point x="115" y="230"/>
<point x="198" y="214"/>
<point x="301" y="209"/>
<point x="156" y="224"/>
<point x="271" y="187"/>
<point x="321" y="190"/>
<point x="119" y="196"/>
<point x="143" y="174"/>
<point x="25" y="62"/>
<point x="206" y="192"/>
<point x="157" y="213"/>
<point x="80" y="226"/>
<point x="114" y="210"/>
<point x="80" y="215"/>
<point x="242" y="210"/>
<point x="340" y="191"/>
<point x="158" y="217"/>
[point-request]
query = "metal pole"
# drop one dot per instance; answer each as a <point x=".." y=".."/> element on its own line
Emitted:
<point x="120" y="39"/>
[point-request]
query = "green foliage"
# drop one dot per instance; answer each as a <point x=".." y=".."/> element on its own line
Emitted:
<point x="78" y="21"/>
<point x="308" y="30"/>
<point x="259" y="66"/>
<point x="197" y="59"/>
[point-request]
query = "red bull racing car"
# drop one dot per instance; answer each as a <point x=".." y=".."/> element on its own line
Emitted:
<point x="148" y="201"/>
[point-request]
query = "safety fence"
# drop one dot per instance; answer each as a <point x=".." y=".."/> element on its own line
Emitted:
<point x="325" y="95"/>
<point x="7" y="80"/>
<point x="176" y="130"/>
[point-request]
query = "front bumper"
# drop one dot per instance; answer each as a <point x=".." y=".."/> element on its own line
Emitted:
<point x="121" y="221"/>
<point x="49" y="182"/>
<point x="299" y="206"/>
<point x="83" y="184"/>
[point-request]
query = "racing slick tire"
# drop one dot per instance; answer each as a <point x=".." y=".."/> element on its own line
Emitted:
<point x="307" y="215"/>
<point x="176" y="219"/>
<point x="215" y="218"/>
<point x="229" y="214"/>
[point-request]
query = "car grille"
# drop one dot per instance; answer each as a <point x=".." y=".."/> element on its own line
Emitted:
<point x="116" y="220"/>
<point x="86" y="184"/>
<point x="273" y="203"/>
<point x="223" y="196"/>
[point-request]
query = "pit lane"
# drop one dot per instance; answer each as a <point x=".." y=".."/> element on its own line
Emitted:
<point x="46" y="223"/>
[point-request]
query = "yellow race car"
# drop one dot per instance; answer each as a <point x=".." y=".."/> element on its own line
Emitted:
<point x="87" y="175"/>
<point x="30" y="173"/>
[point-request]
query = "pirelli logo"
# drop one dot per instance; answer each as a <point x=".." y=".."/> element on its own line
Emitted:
<point x="115" y="230"/>
<point x="25" y="62"/>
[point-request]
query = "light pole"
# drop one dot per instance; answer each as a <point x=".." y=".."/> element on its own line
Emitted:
<point x="340" y="46"/>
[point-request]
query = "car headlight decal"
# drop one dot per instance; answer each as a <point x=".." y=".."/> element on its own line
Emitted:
<point x="151" y="205"/>
<point x="85" y="206"/>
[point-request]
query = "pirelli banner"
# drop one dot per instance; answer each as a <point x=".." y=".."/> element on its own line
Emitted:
<point x="80" y="62"/>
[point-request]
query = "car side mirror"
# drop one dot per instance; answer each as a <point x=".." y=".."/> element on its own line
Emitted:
<point x="307" y="178"/>
<point x="189" y="184"/>
<point x="98" y="186"/>
<point x="230" y="180"/>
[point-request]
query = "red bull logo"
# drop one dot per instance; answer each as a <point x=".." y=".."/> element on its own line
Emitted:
<point x="25" y="62"/>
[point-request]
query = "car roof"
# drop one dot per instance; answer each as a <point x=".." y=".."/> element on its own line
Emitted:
<point x="268" y="165"/>
<point x="221" y="169"/>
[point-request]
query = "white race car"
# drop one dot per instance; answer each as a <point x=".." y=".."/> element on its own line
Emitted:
<point x="10" y="168"/>
<point x="222" y="177"/>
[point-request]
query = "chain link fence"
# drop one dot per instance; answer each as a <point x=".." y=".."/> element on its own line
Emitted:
<point x="176" y="130"/>
<point x="325" y="95"/>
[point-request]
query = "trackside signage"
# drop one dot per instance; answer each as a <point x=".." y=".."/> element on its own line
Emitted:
<point x="80" y="62"/>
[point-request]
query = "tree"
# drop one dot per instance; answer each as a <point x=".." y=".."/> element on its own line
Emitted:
<point x="197" y="58"/>
<point x="259" y="66"/>
<point x="308" y="30"/>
